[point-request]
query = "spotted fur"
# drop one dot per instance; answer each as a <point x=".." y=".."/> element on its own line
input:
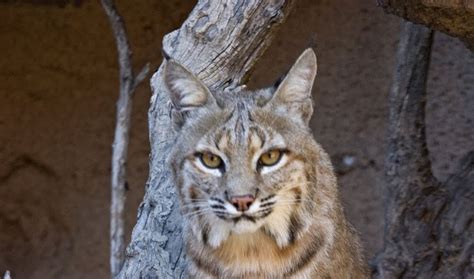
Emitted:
<point x="295" y="228"/>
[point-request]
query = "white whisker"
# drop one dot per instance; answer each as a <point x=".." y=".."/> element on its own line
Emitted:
<point x="195" y="200"/>
<point x="195" y="204"/>
<point x="296" y="201"/>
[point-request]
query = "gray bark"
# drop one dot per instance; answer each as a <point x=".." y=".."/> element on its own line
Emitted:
<point x="128" y="83"/>
<point x="429" y="229"/>
<point x="220" y="42"/>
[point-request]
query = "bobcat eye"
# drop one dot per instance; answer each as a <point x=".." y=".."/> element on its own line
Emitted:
<point x="210" y="160"/>
<point x="270" y="158"/>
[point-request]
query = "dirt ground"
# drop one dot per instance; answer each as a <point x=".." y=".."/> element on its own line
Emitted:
<point x="58" y="86"/>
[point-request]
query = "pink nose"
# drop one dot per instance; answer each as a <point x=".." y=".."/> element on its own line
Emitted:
<point x="242" y="203"/>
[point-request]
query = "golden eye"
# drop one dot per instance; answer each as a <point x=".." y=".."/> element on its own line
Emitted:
<point x="210" y="160"/>
<point x="270" y="158"/>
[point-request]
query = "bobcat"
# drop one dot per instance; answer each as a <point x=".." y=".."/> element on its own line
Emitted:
<point x="258" y="195"/>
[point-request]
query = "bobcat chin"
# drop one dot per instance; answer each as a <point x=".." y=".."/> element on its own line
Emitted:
<point x="258" y="194"/>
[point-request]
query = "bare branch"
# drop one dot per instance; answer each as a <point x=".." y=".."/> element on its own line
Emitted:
<point x="121" y="39"/>
<point x="141" y="75"/>
<point x="128" y="83"/>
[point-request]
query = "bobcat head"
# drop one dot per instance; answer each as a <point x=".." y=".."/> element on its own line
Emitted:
<point x="244" y="161"/>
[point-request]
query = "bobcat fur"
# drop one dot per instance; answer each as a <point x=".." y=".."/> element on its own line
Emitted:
<point x="245" y="217"/>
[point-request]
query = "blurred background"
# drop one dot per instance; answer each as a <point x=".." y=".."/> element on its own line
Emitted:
<point x="59" y="85"/>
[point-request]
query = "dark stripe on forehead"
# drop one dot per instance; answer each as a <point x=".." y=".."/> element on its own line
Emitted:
<point x="223" y="131"/>
<point x="241" y="123"/>
<point x="239" y="129"/>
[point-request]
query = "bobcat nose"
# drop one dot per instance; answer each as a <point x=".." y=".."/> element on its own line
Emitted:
<point x="242" y="203"/>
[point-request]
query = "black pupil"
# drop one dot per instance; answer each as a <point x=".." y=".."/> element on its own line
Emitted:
<point x="213" y="161"/>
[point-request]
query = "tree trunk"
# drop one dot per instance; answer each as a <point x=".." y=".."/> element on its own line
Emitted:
<point x="429" y="228"/>
<point x="220" y="42"/>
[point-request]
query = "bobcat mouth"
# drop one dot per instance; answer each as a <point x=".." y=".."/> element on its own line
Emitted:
<point x="244" y="217"/>
<point x="251" y="218"/>
<point x="225" y="211"/>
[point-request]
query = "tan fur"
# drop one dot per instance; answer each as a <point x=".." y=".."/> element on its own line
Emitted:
<point x="295" y="228"/>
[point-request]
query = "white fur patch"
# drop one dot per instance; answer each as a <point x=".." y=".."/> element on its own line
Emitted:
<point x="218" y="234"/>
<point x="277" y="223"/>
<point x="254" y="207"/>
<point x="246" y="226"/>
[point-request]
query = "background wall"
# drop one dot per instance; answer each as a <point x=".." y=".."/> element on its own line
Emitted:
<point x="58" y="87"/>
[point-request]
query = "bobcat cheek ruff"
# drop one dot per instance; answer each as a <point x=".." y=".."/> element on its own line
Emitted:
<point x="258" y="194"/>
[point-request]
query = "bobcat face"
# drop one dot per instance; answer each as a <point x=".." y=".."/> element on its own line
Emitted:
<point x="240" y="171"/>
<point x="241" y="164"/>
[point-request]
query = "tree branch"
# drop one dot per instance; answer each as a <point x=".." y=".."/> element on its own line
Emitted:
<point x="128" y="83"/>
<point x="220" y="42"/>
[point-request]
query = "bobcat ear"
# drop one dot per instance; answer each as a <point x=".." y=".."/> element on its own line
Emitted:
<point x="187" y="93"/>
<point x="293" y="95"/>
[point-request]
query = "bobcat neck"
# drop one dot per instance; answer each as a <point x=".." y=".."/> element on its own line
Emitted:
<point x="256" y="255"/>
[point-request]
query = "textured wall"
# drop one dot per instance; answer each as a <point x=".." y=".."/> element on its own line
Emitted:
<point x="58" y="85"/>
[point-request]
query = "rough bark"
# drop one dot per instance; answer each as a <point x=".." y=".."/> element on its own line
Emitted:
<point x="429" y="231"/>
<point x="220" y="42"/>
<point x="455" y="17"/>
<point x="128" y="83"/>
